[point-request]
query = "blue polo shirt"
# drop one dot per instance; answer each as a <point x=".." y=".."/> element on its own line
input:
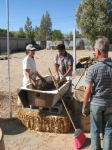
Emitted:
<point x="100" y="75"/>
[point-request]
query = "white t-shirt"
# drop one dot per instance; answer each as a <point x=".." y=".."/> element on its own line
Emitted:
<point x="29" y="63"/>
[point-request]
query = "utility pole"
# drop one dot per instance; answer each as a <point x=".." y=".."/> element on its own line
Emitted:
<point x="74" y="50"/>
<point x="8" y="53"/>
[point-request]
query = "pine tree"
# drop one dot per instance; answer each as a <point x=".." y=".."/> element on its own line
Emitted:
<point x="42" y="28"/>
<point x="46" y="27"/>
<point x="29" y="30"/>
<point x="37" y="33"/>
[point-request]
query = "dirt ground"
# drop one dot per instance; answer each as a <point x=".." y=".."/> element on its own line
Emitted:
<point x="16" y="136"/>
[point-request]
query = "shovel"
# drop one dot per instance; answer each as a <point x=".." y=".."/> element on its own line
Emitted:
<point x="79" y="136"/>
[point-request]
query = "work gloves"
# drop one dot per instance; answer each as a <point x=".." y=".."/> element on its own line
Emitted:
<point x="85" y="111"/>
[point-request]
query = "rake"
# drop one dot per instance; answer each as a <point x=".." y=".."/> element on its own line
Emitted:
<point x="79" y="136"/>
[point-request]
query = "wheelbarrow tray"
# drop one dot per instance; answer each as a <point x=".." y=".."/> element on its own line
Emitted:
<point x="40" y="98"/>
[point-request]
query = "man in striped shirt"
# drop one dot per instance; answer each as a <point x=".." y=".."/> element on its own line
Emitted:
<point x="63" y="68"/>
<point x="63" y="62"/>
<point x="99" y="90"/>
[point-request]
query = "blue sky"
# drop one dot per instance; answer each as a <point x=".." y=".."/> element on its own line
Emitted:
<point x="61" y="13"/>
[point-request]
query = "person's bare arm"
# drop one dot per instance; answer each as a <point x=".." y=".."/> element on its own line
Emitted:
<point x="41" y="77"/>
<point x="87" y="94"/>
<point x="27" y="71"/>
<point x="70" y="69"/>
<point x="38" y="74"/>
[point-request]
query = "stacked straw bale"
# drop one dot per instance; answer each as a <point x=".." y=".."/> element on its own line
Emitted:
<point x="44" y="122"/>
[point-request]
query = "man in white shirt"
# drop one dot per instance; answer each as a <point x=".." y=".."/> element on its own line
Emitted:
<point x="29" y="66"/>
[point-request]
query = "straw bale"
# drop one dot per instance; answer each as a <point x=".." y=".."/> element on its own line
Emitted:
<point x="44" y="122"/>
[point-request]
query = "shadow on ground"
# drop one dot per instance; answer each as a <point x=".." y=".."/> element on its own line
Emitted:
<point x="87" y="143"/>
<point x="11" y="126"/>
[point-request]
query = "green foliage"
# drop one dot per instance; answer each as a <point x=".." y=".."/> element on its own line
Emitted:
<point x="3" y="33"/>
<point x="78" y="35"/>
<point x="94" y="18"/>
<point x="29" y="30"/>
<point x="37" y="33"/>
<point x="57" y="35"/>
<point x="20" y="34"/>
<point x="15" y="34"/>
<point x="48" y="24"/>
<point x="45" y="27"/>
<point x="71" y="35"/>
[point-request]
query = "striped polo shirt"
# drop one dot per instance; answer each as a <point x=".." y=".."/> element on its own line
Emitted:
<point x="100" y="75"/>
<point x="64" y="63"/>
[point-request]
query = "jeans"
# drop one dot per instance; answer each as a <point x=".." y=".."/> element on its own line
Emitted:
<point x="101" y="121"/>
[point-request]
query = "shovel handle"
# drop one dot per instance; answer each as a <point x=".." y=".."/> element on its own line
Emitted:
<point x="80" y="78"/>
<point x="62" y="101"/>
<point x="53" y="78"/>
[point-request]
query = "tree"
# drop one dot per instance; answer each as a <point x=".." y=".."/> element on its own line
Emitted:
<point x="43" y="28"/>
<point x="71" y="35"/>
<point x="48" y="24"/>
<point x="46" y="27"/>
<point x="21" y="33"/>
<point x="78" y="35"/>
<point x="57" y="35"/>
<point x="3" y="33"/>
<point x="94" y="18"/>
<point x="37" y="33"/>
<point x="29" y="30"/>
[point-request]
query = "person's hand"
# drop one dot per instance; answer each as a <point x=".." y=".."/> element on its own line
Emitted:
<point x="63" y="79"/>
<point x="85" y="111"/>
<point x="33" y="83"/>
<point x="57" y="79"/>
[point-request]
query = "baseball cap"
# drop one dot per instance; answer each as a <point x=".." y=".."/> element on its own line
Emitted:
<point x="30" y="47"/>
